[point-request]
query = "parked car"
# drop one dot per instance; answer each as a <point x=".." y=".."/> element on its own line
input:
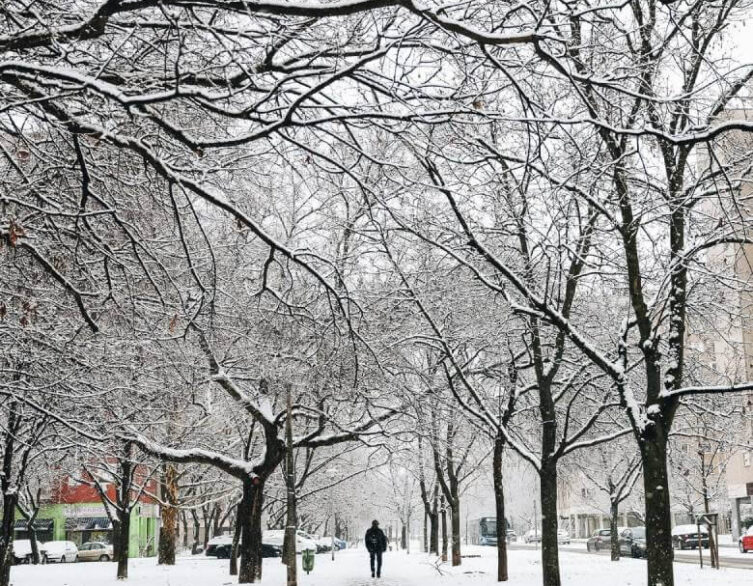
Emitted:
<point x="59" y="551"/>
<point x="533" y="536"/>
<point x="563" y="537"/>
<point x="633" y="542"/>
<point x="602" y="539"/>
<point x="340" y="544"/>
<point x="686" y="537"/>
<point x="22" y="551"/>
<point x="323" y="544"/>
<point x="277" y="537"/>
<point x="95" y="551"/>
<point x="217" y="545"/>
<point x="221" y="547"/>
<point x="745" y="543"/>
<point x="511" y="536"/>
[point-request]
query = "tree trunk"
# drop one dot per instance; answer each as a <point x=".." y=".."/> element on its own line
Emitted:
<point x="658" y="516"/>
<point x="184" y="522"/>
<point x="6" y="539"/>
<point x="169" y="513"/>
<point x="455" y="519"/>
<point x="444" y="531"/>
<point x="196" y="531"/>
<point x="499" y="501"/>
<point x="10" y="498"/>
<point x="549" y="547"/>
<point x="613" y="537"/>
<point x="124" y="522"/>
<point x="34" y="545"/>
<point x="291" y="524"/>
<point x="434" y="524"/>
<point x="249" y="570"/>
<point x="236" y="541"/>
<point x="426" y="533"/>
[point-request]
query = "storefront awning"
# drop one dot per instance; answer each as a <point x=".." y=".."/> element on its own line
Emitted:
<point x="88" y="524"/>
<point x="39" y="525"/>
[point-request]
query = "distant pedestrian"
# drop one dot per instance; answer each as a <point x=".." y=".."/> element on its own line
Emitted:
<point x="376" y="543"/>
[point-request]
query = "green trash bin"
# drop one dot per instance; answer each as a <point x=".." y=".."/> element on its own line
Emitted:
<point x="308" y="560"/>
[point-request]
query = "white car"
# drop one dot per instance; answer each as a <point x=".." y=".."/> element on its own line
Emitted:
<point x="277" y="537"/>
<point x="22" y="551"/>
<point x="563" y="537"/>
<point x="59" y="551"/>
<point x="95" y="551"/>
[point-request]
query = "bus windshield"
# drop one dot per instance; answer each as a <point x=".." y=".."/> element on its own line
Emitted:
<point x="489" y="527"/>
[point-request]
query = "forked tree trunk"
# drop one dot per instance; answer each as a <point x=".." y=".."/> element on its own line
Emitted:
<point x="658" y="516"/>
<point x="499" y="502"/>
<point x="549" y="547"/>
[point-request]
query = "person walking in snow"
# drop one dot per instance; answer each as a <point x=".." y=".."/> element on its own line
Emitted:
<point x="376" y="543"/>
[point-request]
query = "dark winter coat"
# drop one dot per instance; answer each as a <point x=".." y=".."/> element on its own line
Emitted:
<point x="375" y="540"/>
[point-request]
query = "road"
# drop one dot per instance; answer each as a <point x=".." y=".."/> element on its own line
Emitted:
<point x="728" y="557"/>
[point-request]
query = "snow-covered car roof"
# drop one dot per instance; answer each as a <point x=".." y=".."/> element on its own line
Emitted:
<point x="220" y="540"/>
<point x="22" y="546"/>
<point x="55" y="545"/>
<point x="685" y="529"/>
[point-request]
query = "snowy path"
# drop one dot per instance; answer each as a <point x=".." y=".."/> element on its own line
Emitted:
<point x="351" y="568"/>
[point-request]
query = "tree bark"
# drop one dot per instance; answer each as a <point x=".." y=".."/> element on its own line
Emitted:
<point x="10" y="498"/>
<point x="549" y="546"/>
<point x="444" y="531"/>
<point x="613" y="537"/>
<point x="236" y="541"/>
<point x="455" y="520"/>
<point x="196" y="531"/>
<point x="169" y="513"/>
<point x="124" y="523"/>
<point x="249" y="570"/>
<point x="499" y="501"/>
<point x="658" y="516"/>
<point x="434" y="524"/>
<point x="34" y="546"/>
<point x="184" y="522"/>
<point x="291" y="525"/>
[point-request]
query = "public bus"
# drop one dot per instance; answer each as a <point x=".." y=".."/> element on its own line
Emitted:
<point x="483" y="531"/>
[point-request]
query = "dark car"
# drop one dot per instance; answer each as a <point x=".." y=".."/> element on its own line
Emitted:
<point x="221" y="549"/>
<point x="633" y="542"/>
<point x="600" y="539"/>
<point x="686" y="537"/>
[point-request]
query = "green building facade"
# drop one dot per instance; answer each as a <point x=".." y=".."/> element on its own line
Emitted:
<point x="83" y="522"/>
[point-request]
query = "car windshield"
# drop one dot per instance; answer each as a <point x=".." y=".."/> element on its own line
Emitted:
<point x="639" y="532"/>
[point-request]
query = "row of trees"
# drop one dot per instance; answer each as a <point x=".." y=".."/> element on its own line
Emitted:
<point x="534" y="215"/>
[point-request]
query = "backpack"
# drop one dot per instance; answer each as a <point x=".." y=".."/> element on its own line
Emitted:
<point x="372" y="540"/>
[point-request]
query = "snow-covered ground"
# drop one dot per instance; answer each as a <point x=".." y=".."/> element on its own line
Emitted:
<point x="351" y="569"/>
